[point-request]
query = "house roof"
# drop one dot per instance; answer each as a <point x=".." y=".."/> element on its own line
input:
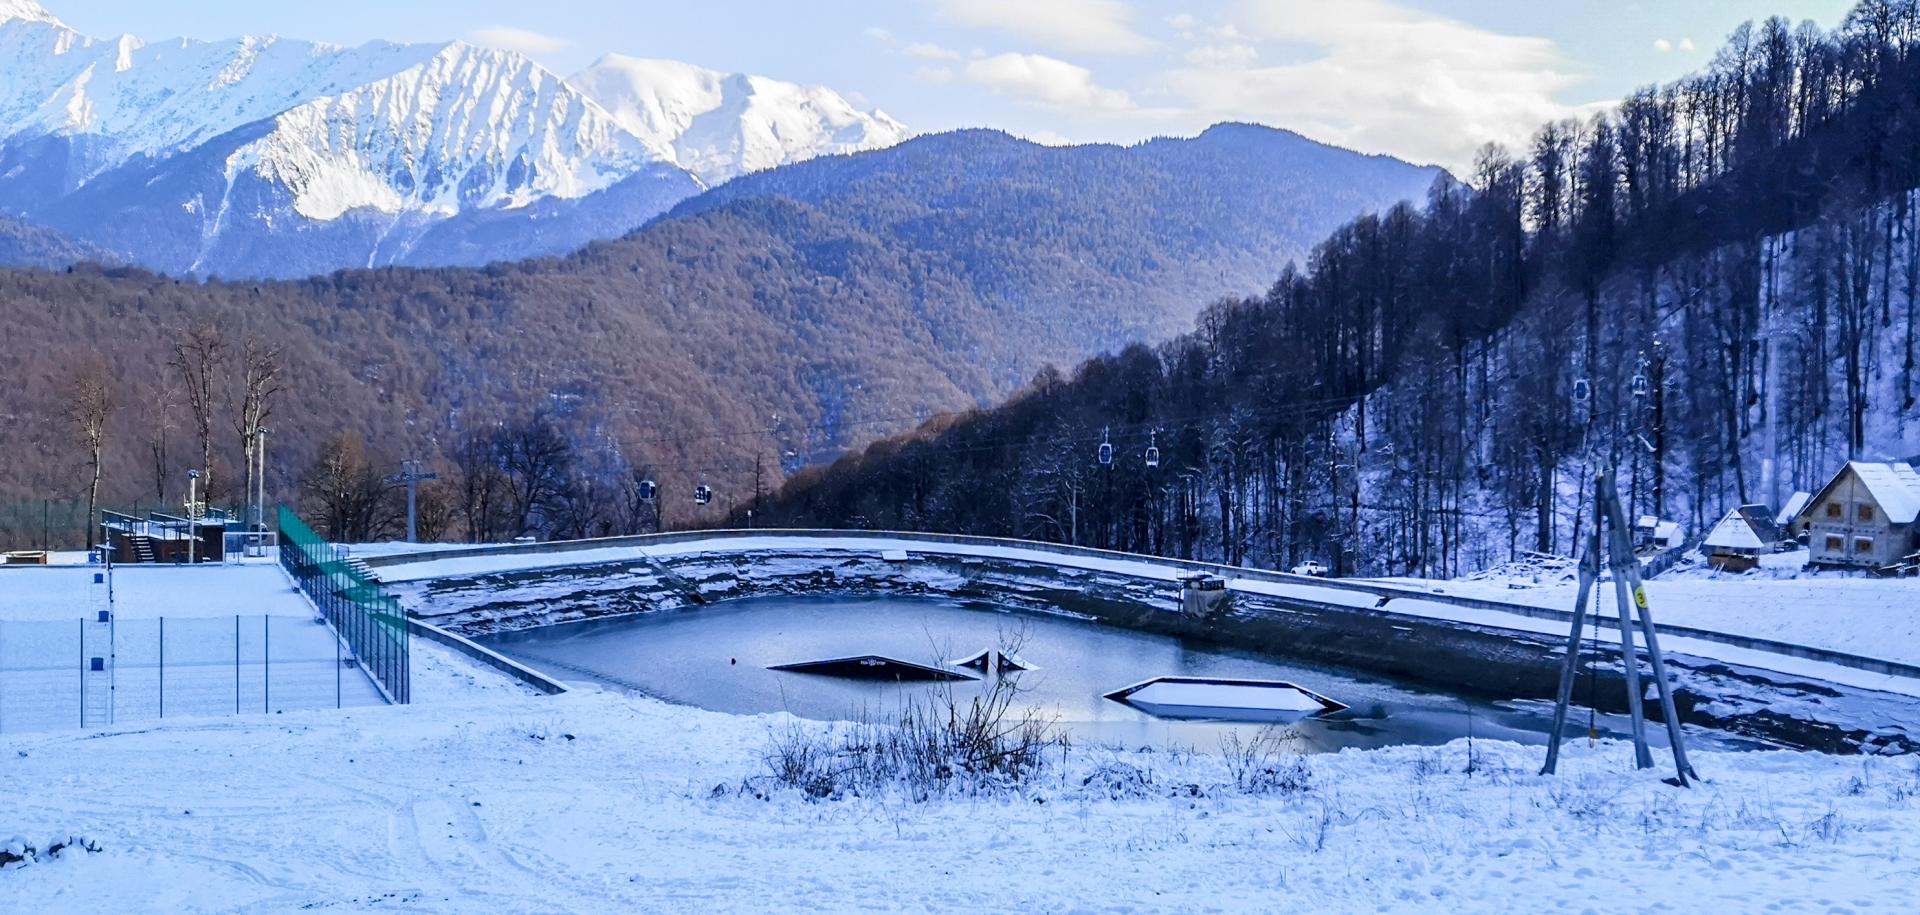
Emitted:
<point x="1796" y="504"/>
<point x="1895" y="486"/>
<point x="1734" y="532"/>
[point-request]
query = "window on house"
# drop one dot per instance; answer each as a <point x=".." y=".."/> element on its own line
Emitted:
<point x="1834" y="511"/>
<point x="1835" y="543"/>
<point x="1865" y="512"/>
<point x="1862" y="545"/>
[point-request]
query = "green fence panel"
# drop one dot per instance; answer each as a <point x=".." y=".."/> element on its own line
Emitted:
<point x="371" y="621"/>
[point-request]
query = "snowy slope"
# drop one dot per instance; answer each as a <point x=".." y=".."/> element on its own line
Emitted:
<point x="595" y="802"/>
<point x="721" y="125"/>
<point x="279" y="157"/>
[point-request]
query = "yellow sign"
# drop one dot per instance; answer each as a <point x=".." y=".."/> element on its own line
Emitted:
<point x="1640" y="597"/>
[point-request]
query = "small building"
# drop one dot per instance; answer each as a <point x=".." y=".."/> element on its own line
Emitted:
<point x="169" y="539"/>
<point x="1650" y="532"/>
<point x="1735" y="544"/>
<point x="1789" y="518"/>
<point x="1864" y="517"/>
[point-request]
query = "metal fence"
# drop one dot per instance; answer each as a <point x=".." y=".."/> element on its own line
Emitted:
<point x="372" y="622"/>
<point x="101" y="671"/>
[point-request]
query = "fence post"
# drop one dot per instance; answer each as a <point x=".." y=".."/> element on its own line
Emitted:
<point x="163" y="667"/>
<point x="236" y="664"/>
<point x="336" y="670"/>
<point x="83" y="673"/>
<point x="266" y="663"/>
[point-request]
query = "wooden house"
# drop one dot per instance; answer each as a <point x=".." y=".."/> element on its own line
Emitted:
<point x="1865" y="517"/>
<point x="1737" y="543"/>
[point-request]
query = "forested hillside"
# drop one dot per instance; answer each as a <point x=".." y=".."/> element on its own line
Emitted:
<point x="26" y="245"/>
<point x="725" y="342"/>
<point x="1740" y="246"/>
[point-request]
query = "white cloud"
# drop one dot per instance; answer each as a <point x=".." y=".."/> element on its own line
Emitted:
<point x="935" y="76"/>
<point x="1686" y="44"/>
<point x="1183" y="24"/>
<point x="1662" y="45"/>
<point x="923" y="50"/>
<point x="1232" y="55"/>
<point x="1376" y="76"/>
<point x="1049" y="138"/>
<point x="1046" y="81"/>
<point x="525" y="41"/>
<point x="1090" y="26"/>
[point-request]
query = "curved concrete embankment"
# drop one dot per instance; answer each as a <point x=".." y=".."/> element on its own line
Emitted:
<point x="1488" y="647"/>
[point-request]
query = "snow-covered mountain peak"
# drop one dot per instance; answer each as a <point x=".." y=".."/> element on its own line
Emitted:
<point x="720" y="125"/>
<point x="237" y="151"/>
<point x="466" y="127"/>
<point x="28" y="11"/>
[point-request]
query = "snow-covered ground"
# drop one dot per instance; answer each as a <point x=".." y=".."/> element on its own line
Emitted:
<point x="63" y="592"/>
<point x="484" y="796"/>
<point x="595" y="802"/>
<point x="208" y="640"/>
<point x="1871" y="617"/>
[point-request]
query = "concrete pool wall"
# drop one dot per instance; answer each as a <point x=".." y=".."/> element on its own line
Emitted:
<point x="1350" y="625"/>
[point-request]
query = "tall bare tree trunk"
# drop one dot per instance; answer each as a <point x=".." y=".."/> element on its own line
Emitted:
<point x="89" y="404"/>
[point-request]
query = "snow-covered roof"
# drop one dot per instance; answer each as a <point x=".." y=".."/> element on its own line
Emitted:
<point x="1895" y="486"/>
<point x="1667" y="530"/>
<point x="1796" y="504"/>
<point x="1734" y="533"/>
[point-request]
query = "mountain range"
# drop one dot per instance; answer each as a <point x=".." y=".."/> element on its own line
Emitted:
<point x="273" y="157"/>
<point x="826" y="302"/>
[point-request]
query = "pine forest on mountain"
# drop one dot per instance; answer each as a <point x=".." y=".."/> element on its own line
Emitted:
<point x="1745" y="243"/>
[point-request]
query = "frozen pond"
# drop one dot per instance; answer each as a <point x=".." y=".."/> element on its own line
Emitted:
<point x="718" y="657"/>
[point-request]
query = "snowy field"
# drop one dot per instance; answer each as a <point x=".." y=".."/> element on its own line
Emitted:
<point x="478" y="799"/>
<point x="1871" y="617"/>
<point x="209" y="640"/>
<point x="62" y="592"/>
<point x="482" y="796"/>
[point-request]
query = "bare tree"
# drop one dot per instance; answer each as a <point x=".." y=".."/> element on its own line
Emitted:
<point x="344" y="491"/>
<point x="199" y="355"/>
<point x="260" y="365"/>
<point x="89" y="405"/>
<point x="161" y="399"/>
<point x="538" y="460"/>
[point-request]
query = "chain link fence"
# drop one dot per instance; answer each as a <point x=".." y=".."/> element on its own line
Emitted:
<point x="99" y="671"/>
<point x="372" y="622"/>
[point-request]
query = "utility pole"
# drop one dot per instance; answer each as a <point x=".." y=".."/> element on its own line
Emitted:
<point x="193" y="526"/>
<point x="1770" y="462"/>
<point x="410" y="476"/>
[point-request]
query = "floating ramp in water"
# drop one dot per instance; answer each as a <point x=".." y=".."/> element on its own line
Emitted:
<point x="985" y="658"/>
<point x="873" y="667"/>
<point x="1213" y="697"/>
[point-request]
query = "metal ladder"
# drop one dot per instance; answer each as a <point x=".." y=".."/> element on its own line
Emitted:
<point x="96" y="656"/>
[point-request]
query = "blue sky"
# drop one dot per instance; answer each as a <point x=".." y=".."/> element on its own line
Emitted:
<point x="1428" y="80"/>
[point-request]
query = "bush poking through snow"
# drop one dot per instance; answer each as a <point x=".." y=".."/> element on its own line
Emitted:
<point x="1267" y="763"/>
<point x="1118" y="780"/>
<point x="982" y="745"/>
<point x="20" y="853"/>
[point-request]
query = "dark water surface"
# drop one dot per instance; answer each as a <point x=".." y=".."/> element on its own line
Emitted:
<point x="689" y="657"/>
